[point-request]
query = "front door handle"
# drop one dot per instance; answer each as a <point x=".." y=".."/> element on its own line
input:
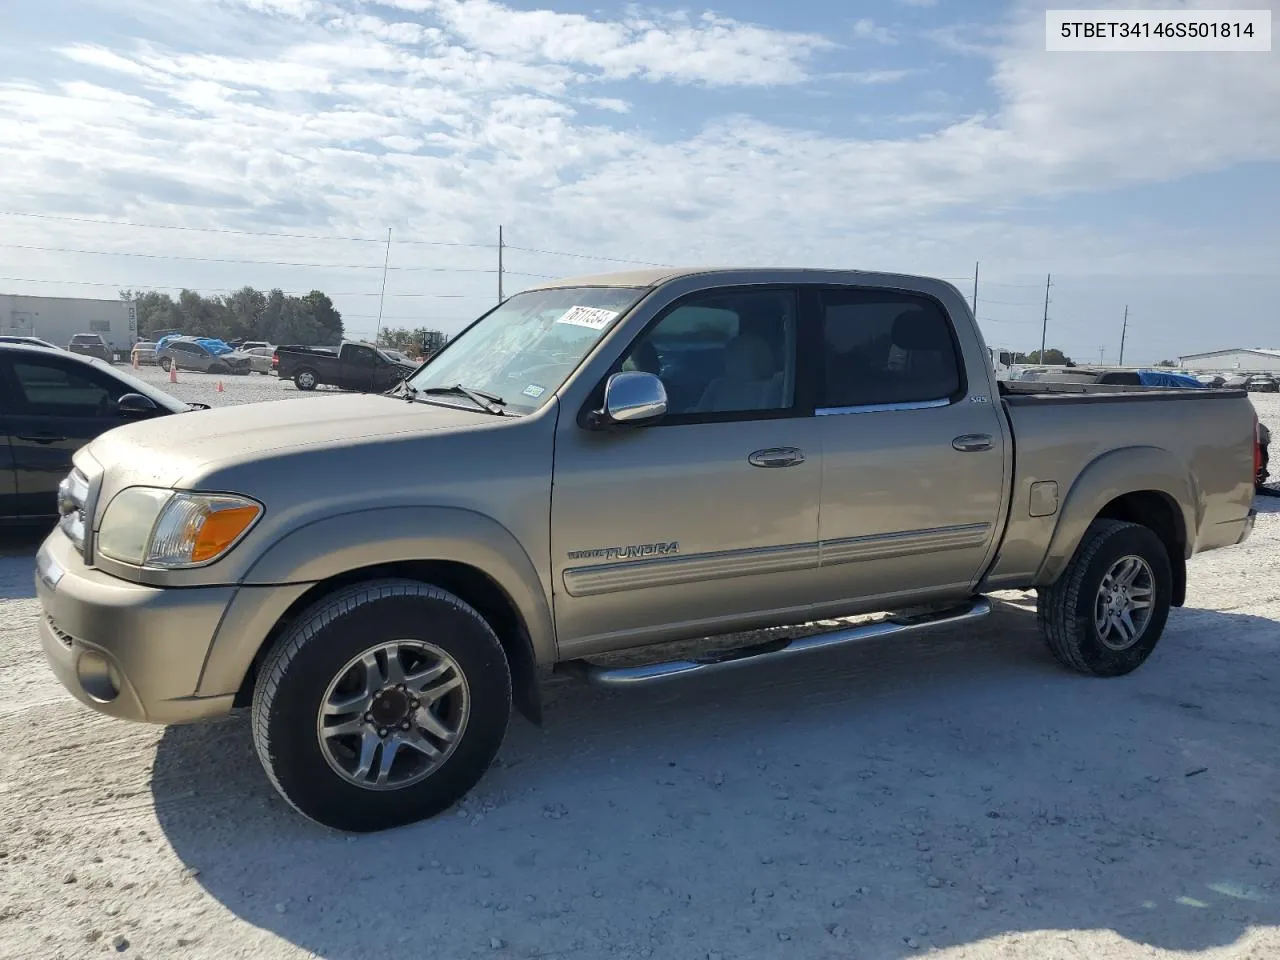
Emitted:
<point x="776" y="457"/>
<point x="972" y="442"/>
<point x="41" y="438"/>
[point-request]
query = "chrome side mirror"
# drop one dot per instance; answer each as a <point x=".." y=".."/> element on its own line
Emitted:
<point x="632" y="398"/>
<point x="136" y="405"/>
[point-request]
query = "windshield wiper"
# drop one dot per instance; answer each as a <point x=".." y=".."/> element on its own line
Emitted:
<point x="487" y="402"/>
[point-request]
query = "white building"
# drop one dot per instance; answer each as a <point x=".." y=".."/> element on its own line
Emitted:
<point x="1237" y="359"/>
<point x="58" y="319"/>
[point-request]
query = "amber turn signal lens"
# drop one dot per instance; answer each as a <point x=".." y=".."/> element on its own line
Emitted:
<point x="220" y="529"/>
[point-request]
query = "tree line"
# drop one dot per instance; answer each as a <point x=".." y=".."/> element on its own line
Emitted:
<point x="246" y="314"/>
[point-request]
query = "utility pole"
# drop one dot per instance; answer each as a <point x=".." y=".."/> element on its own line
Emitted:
<point x="383" y="295"/>
<point x="1044" y="329"/>
<point x="499" y="263"/>
<point x="386" y="260"/>
<point x="975" y="290"/>
<point x="1123" y="330"/>
<point x="1102" y="356"/>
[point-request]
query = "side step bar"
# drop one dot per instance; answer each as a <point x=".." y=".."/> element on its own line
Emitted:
<point x="775" y="649"/>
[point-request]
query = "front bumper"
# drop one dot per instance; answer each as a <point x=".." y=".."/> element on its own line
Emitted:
<point x="124" y="649"/>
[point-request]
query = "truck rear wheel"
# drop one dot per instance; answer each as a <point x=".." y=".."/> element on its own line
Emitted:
<point x="1106" y="611"/>
<point x="305" y="379"/>
<point x="383" y="704"/>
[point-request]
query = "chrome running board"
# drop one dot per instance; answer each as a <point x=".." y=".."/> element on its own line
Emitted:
<point x="892" y="625"/>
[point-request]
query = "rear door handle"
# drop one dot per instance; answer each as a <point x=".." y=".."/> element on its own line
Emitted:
<point x="972" y="442"/>
<point x="776" y="457"/>
<point x="42" y="438"/>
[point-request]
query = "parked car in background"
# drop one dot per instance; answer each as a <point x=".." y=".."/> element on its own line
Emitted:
<point x="1264" y="383"/>
<point x="1212" y="379"/>
<point x="188" y="353"/>
<point x="350" y="365"/>
<point x="51" y="404"/>
<point x="249" y="345"/>
<point x="603" y="464"/>
<point x="1236" y="381"/>
<point x="30" y="342"/>
<point x="259" y="358"/>
<point x="143" y="352"/>
<point x="91" y="345"/>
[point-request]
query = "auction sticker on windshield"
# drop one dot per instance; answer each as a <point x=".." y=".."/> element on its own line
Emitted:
<point x="594" y="318"/>
<point x="533" y="390"/>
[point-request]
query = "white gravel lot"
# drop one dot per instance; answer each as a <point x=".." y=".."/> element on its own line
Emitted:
<point x="957" y="795"/>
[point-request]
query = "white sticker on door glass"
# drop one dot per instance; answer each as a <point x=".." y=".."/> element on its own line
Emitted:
<point x="593" y="317"/>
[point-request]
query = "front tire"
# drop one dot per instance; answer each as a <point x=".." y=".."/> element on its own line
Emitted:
<point x="1107" y="610"/>
<point x="383" y="704"/>
<point x="165" y="364"/>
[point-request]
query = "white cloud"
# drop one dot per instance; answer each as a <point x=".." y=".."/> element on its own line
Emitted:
<point x="475" y="114"/>
<point x="866" y="29"/>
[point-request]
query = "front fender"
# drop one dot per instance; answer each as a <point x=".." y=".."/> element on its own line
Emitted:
<point x="337" y="545"/>
<point x="1112" y="475"/>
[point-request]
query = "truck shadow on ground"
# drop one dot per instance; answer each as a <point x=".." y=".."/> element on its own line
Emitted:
<point x="870" y="802"/>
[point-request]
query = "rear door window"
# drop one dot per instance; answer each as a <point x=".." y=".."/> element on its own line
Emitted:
<point x="886" y="347"/>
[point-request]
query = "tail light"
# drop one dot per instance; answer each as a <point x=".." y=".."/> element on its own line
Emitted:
<point x="275" y="360"/>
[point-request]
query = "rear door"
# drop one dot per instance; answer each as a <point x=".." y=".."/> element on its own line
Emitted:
<point x="913" y="454"/>
<point x="57" y="405"/>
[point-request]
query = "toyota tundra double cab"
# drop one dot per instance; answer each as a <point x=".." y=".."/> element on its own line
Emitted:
<point x="606" y="464"/>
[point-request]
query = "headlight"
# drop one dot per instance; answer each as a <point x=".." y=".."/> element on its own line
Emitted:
<point x="147" y="526"/>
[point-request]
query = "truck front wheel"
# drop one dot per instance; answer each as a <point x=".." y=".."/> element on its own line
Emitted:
<point x="1107" y="610"/>
<point x="383" y="704"/>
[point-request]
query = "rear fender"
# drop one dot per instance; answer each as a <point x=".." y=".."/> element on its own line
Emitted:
<point x="1112" y="475"/>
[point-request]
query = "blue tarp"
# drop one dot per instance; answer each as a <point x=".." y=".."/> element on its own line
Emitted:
<point x="214" y="345"/>
<point x="1153" y="378"/>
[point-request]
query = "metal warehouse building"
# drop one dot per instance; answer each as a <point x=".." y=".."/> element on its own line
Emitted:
<point x="58" y="319"/>
<point x="1238" y="359"/>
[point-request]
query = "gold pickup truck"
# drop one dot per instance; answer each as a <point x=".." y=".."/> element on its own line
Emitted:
<point x="604" y="464"/>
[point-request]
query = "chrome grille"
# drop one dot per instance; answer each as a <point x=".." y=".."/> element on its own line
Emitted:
<point x="73" y="492"/>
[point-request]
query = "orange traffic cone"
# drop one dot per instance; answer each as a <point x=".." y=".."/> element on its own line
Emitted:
<point x="173" y="373"/>
<point x="219" y="386"/>
<point x="135" y="358"/>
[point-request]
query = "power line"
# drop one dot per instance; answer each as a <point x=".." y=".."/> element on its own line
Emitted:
<point x="239" y="233"/>
<point x="1012" y="303"/>
<point x="162" y="286"/>
<point x="303" y="236"/>
<point x="585" y="256"/>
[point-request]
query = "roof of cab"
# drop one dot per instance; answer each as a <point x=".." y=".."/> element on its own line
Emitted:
<point x="657" y="276"/>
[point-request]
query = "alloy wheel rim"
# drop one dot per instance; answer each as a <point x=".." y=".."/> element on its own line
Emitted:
<point x="393" y="715"/>
<point x="1123" y="606"/>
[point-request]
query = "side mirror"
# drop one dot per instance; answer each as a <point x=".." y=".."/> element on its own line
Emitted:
<point x="135" y="405"/>
<point x="632" y="399"/>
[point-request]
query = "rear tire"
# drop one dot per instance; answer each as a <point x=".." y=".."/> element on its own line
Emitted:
<point x="165" y="364"/>
<point x="306" y="379"/>
<point x="1091" y="618"/>
<point x="317" y="669"/>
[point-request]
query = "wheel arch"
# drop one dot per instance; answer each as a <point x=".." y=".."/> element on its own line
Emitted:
<point x="1144" y="485"/>
<point x="461" y="551"/>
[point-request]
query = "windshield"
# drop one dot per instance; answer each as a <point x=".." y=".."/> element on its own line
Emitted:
<point x="526" y="348"/>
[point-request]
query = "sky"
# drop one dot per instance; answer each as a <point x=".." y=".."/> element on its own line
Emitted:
<point x="275" y="142"/>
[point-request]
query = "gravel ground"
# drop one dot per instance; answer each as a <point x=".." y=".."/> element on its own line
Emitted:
<point x="957" y="795"/>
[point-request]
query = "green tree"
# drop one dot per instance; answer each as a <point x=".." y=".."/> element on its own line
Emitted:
<point x="245" y="314"/>
<point x="1053" y="357"/>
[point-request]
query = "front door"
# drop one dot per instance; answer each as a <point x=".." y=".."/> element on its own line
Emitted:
<point x="55" y="406"/>
<point x="708" y="519"/>
<point x="913" y="456"/>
